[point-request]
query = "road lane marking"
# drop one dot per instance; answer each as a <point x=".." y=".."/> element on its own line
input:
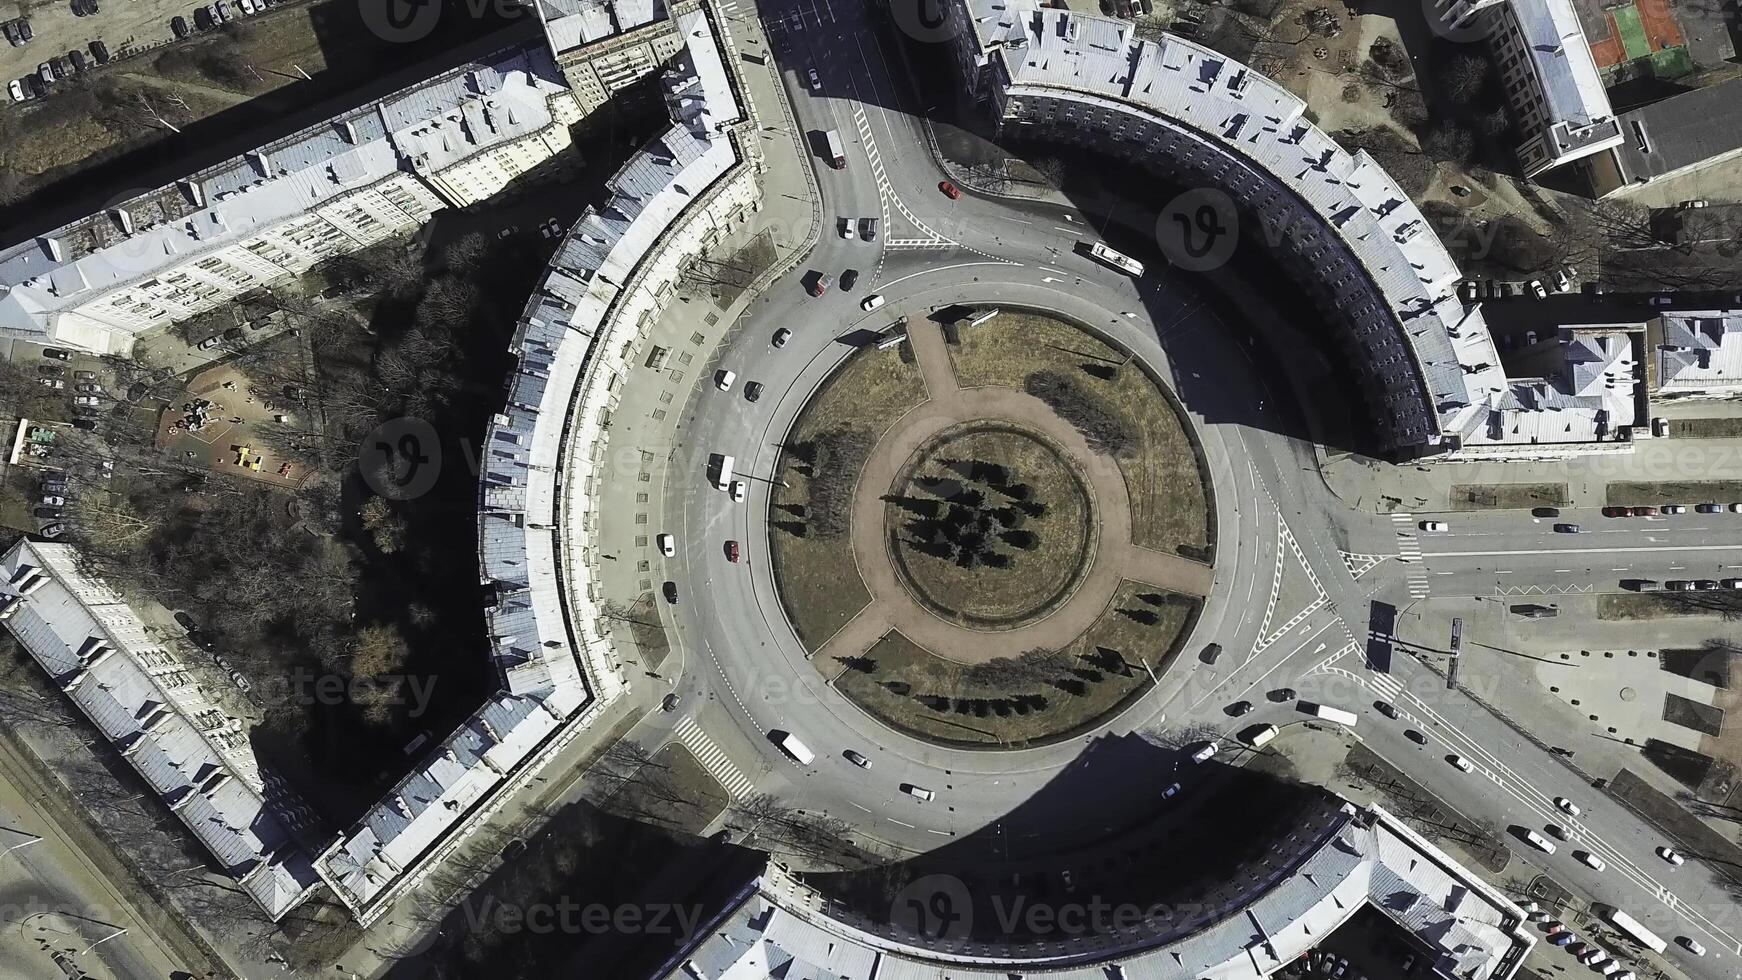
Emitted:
<point x="1580" y="551"/>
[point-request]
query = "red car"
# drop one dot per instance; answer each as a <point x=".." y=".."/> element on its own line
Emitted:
<point x="1616" y="512"/>
<point x="1644" y="511"/>
<point x="818" y="285"/>
<point x="949" y="189"/>
<point x="732" y="551"/>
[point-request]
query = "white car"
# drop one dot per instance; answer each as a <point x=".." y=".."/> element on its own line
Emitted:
<point x="667" y="545"/>
<point x="846" y="226"/>
<point x="1462" y="764"/>
<point x="1589" y="860"/>
<point x="919" y="793"/>
<point x="1206" y="752"/>
<point x="1661" y="300"/>
<point x="1692" y="945"/>
<point x="1674" y="509"/>
<point x="872" y="302"/>
<point x="1539" y="842"/>
<point x="1671" y="855"/>
<point x="1566" y="805"/>
<point x="1736" y="508"/>
<point x="737" y="490"/>
<point x="1537" y="289"/>
<point x="723" y="380"/>
<point x="1433" y="526"/>
<point x="857" y="758"/>
<point x="16" y="90"/>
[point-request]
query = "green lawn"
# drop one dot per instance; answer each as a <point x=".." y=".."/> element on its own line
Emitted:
<point x="1632" y="32"/>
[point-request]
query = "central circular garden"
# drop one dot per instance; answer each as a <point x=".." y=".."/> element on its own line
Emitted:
<point x="989" y="525"/>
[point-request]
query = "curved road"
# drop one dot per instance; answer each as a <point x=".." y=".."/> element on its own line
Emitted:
<point x="1295" y="571"/>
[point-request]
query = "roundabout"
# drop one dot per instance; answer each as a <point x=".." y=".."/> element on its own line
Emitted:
<point x="985" y="567"/>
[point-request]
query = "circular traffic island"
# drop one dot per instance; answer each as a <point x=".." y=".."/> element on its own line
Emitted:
<point x="994" y="537"/>
<point x="989" y="525"/>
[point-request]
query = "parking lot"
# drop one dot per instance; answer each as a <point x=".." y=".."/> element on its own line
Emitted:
<point x="124" y="26"/>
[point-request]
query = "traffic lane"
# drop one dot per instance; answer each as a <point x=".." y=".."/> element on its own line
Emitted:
<point x="1530" y="779"/>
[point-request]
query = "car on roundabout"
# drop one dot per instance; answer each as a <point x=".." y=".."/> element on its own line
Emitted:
<point x="1566" y="529"/>
<point x="1282" y="694"/>
<point x="1460" y="763"/>
<point x="817" y="284"/>
<point x="1567" y="806"/>
<point x="671" y="702"/>
<point x="752" y="390"/>
<point x="732" y="552"/>
<point x="667" y="545"/>
<point x="723" y="379"/>
<point x="1671" y="855"/>
<point x="849" y="279"/>
<point x="856" y="758"/>
<point x="738" y="492"/>
<point x="919" y="793"/>
<point x="950" y="190"/>
<point x="781" y="336"/>
<point x="1589" y="860"/>
<point x="1415" y="736"/>
<point x="1433" y="526"/>
<point x="1239" y="708"/>
<point x="1691" y="945"/>
<point x="871" y="302"/>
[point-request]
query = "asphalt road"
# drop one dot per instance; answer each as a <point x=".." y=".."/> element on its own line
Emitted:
<point x="738" y="656"/>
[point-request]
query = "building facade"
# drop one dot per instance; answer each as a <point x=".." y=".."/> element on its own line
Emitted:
<point x="1560" y="108"/>
<point x="264" y="218"/>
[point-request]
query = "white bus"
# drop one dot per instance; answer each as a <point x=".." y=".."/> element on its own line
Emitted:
<point x="1630" y="927"/>
<point x="1124" y="263"/>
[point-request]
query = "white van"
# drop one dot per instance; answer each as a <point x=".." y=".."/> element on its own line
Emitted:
<point x="1259" y="736"/>
<point x="919" y="793"/>
<point x="790" y="744"/>
<point x="724" y="479"/>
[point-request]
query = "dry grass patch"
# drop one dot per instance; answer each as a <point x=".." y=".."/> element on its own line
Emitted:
<point x="1029" y="698"/>
<point x="816" y="573"/>
<point x="1170" y="509"/>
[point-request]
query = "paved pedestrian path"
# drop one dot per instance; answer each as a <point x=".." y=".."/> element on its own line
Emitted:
<point x="1115" y="557"/>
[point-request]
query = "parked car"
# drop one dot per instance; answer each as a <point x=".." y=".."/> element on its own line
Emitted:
<point x="1589" y="860"/>
<point x="1674" y="509"/>
<point x="732" y="552"/>
<point x="1692" y="945"/>
<point x="1671" y="855"/>
<point x="222" y="10"/>
<point x="1678" y="585"/>
<point x="77" y="58"/>
<point x="45" y="73"/>
<point x="1617" y="512"/>
<point x="846" y="228"/>
<point x="1537" y="289"/>
<point x="871" y="302"/>
<point x="210" y="342"/>
<point x="667" y="545"/>
<point x="670" y="591"/>
<point x="868" y="229"/>
<point x="1545" y="512"/>
<point x="1567" y="806"/>
<point x="1645" y="512"/>
<point x="723" y="379"/>
<point x="1239" y="708"/>
<point x="815" y="80"/>
<point x="89" y="401"/>
<point x="16" y="90"/>
<point x="818" y="285"/>
<point x="849" y="279"/>
<point x="179" y="26"/>
<point x="52" y="500"/>
<point x="55" y="384"/>
<point x="738" y="490"/>
<point x="1206" y="752"/>
<point x="781" y="336"/>
<point x="204" y="19"/>
<point x="752" y="390"/>
<point x="1460" y="763"/>
<point x="100" y="51"/>
<point x="53" y="529"/>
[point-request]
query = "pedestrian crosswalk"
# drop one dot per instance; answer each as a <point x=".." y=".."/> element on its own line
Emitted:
<point x="1409" y="553"/>
<point x="713" y="758"/>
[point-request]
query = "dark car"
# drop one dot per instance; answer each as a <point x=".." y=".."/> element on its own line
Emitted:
<point x="180" y="26"/>
<point x="62" y="67"/>
<point x="185" y="621"/>
<point x="1211" y="653"/>
<point x="1546" y="512"/>
<point x="1616" y="512"/>
<point x="781" y="336"/>
<point x="47" y="513"/>
<point x="77" y="57"/>
<point x="1282" y="694"/>
<point x="1566" y="529"/>
<point x="234" y="333"/>
<point x="817" y="284"/>
<point x="670" y="590"/>
<point x="203" y="19"/>
<point x="50" y="370"/>
<point x="1387" y="709"/>
<point x="10" y="29"/>
<point x="57" y="353"/>
<point x="100" y="51"/>
<point x="1645" y="512"/>
<point x="84" y="423"/>
<point x="1415" y="736"/>
<point x="1239" y="708"/>
<point x="752" y="391"/>
<point x="24" y="30"/>
<point x="849" y="279"/>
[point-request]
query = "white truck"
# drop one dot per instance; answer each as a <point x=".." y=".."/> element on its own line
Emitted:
<point x="724" y="479"/>
<point x="790" y="744"/>
<point x="1337" y="715"/>
<point x="837" y="152"/>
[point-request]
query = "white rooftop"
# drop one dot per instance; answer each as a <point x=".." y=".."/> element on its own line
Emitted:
<point x="1700" y="350"/>
<point x="1571" y="84"/>
<point x="92" y="645"/>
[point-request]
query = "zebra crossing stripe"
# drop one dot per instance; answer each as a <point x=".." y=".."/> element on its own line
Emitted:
<point x="714" y="759"/>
